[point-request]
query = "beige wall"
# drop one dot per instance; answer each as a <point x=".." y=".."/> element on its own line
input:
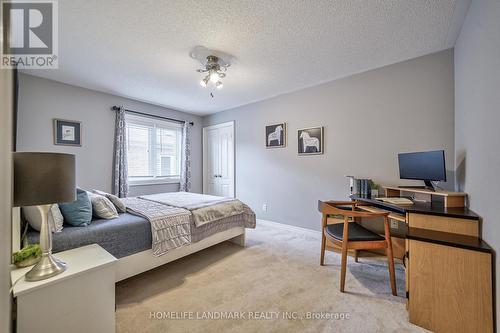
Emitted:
<point x="5" y="196"/>
<point x="368" y="119"/>
<point x="477" y="116"/>
<point x="41" y="100"/>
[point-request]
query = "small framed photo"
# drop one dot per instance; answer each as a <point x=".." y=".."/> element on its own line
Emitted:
<point x="310" y="141"/>
<point x="67" y="132"/>
<point x="276" y="136"/>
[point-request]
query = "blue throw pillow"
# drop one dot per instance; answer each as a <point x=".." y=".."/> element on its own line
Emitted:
<point x="77" y="213"/>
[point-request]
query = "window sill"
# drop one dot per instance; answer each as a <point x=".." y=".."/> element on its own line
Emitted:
<point x="154" y="182"/>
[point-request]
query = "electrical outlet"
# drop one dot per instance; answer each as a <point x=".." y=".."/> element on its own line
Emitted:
<point x="394" y="224"/>
<point x="264" y="207"/>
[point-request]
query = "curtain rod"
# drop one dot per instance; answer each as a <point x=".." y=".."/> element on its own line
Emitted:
<point x="116" y="108"/>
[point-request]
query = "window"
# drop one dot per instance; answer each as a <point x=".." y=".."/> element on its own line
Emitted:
<point x="154" y="150"/>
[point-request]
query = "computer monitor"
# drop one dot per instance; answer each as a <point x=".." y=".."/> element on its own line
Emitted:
<point x="427" y="166"/>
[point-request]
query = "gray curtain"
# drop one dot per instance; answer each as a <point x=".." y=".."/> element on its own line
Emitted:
<point x="185" y="185"/>
<point x="120" y="172"/>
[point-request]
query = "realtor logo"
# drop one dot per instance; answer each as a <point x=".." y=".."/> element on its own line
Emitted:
<point x="29" y="34"/>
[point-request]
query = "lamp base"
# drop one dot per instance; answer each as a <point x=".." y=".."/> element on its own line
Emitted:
<point x="47" y="267"/>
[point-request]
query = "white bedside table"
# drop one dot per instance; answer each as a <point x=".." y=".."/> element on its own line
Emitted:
<point x="81" y="299"/>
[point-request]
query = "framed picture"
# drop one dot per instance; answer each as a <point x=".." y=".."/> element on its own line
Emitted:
<point x="310" y="141"/>
<point x="67" y="132"/>
<point x="276" y="136"/>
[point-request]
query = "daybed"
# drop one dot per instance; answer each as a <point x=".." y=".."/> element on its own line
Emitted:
<point x="129" y="239"/>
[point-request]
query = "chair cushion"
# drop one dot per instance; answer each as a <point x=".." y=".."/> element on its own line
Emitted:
<point x="356" y="232"/>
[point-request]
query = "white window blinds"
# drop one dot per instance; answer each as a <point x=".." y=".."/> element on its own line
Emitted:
<point x="154" y="150"/>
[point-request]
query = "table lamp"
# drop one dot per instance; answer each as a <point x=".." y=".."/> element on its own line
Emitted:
<point x="43" y="179"/>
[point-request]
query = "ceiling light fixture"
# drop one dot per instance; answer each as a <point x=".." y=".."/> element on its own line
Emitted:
<point x="215" y="69"/>
<point x="204" y="82"/>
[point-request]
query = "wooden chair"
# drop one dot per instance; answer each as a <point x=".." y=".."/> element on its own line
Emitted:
<point x="351" y="235"/>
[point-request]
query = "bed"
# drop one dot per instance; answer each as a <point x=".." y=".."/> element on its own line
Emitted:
<point x="129" y="237"/>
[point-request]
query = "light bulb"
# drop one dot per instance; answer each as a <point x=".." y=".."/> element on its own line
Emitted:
<point x="204" y="81"/>
<point x="219" y="85"/>
<point x="214" y="77"/>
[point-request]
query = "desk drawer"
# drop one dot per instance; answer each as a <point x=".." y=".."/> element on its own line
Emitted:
<point x="445" y="224"/>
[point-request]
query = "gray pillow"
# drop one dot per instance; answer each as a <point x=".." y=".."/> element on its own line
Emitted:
<point x="79" y="212"/>
<point x="56" y="218"/>
<point x="102" y="207"/>
<point x="120" y="206"/>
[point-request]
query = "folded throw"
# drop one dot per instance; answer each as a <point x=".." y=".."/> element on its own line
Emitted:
<point x="204" y="208"/>
<point x="170" y="226"/>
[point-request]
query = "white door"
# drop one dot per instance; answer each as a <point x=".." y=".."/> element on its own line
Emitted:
<point x="226" y="162"/>
<point x="218" y="160"/>
<point x="212" y="167"/>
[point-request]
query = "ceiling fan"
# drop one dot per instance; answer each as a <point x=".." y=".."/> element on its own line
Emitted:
<point x="215" y="69"/>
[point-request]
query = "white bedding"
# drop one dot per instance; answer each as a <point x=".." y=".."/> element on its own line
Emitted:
<point x="186" y="200"/>
<point x="204" y="208"/>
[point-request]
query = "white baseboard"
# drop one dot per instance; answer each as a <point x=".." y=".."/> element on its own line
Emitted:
<point x="289" y="227"/>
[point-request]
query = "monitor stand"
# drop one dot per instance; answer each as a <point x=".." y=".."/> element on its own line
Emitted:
<point x="413" y="186"/>
<point x="428" y="186"/>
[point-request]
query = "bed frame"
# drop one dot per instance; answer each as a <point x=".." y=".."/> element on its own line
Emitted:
<point x="144" y="261"/>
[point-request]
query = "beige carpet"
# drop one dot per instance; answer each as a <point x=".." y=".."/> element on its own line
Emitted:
<point x="276" y="275"/>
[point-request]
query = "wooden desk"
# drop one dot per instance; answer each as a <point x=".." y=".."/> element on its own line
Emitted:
<point x="393" y="215"/>
<point x="449" y="284"/>
<point x="428" y="215"/>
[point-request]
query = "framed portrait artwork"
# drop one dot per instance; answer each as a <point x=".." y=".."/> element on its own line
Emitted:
<point x="276" y="135"/>
<point x="310" y="141"/>
<point x="67" y="132"/>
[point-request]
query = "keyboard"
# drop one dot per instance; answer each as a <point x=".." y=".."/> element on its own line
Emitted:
<point x="396" y="200"/>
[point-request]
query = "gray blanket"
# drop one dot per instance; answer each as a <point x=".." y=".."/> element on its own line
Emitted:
<point x="204" y="208"/>
<point x="169" y="225"/>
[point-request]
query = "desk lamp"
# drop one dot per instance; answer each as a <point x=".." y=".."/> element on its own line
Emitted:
<point x="43" y="179"/>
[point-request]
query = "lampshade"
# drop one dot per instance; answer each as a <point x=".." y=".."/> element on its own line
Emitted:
<point x="43" y="178"/>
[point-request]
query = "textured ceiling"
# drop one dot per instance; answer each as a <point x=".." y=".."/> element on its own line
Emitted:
<point x="140" y="49"/>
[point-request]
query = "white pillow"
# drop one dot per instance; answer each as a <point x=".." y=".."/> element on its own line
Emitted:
<point x="33" y="215"/>
<point x="102" y="207"/>
<point x="120" y="206"/>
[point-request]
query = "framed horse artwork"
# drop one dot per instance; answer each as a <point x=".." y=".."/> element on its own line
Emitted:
<point x="276" y="136"/>
<point x="310" y="141"/>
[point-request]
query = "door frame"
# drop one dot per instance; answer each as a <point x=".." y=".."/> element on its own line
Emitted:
<point x="204" y="152"/>
<point x="7" y="98"/>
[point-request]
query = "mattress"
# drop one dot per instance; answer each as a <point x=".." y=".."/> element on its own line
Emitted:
<point x="123" y="236"/>
<point x="128" y="234"/>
